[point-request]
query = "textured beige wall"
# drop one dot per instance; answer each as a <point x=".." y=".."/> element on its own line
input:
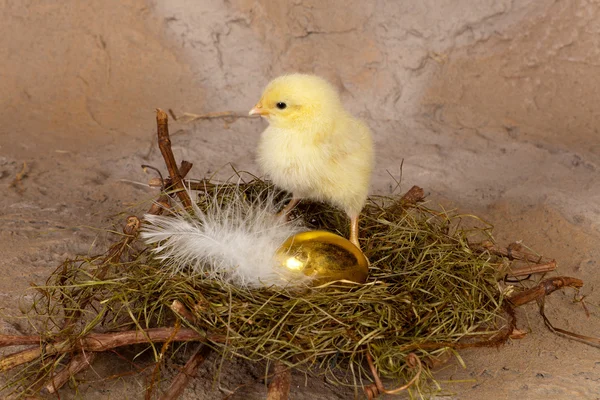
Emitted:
<point x="91" y="62"/>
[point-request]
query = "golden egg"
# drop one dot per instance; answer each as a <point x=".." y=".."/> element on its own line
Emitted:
<point x="324" y="257"/>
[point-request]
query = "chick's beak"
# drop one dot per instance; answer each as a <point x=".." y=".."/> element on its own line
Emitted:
<point x="258" y="110"/>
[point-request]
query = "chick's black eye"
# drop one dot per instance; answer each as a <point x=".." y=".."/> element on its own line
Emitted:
<point x="281" y="105"/>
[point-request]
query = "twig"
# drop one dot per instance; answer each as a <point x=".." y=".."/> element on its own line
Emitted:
<point x="279" y="388"/>
<point x="105" y="341"/>
<point x="184" y="168"/>
<point x="539" y="294"/>
<point x="532" y="269"/>
<point x="164" y="143"/>
<point x="77" y="364"/>
<point x="161" y="357"/>
<point x="131" y="228"/>
<point x="166" y="184"/>
<point x="189" y="370"/>
<point x="180" y="309"/>
<point x="544" y="288"/>
<point x="414" y="195"/>
<point x="12" y="340"/>
<point x="592" y="341"/>
<point x="161" y="204"/>
<point x="27" y="355"/>
<point x="190" y="117"/>
<point x="510" y="252"/>
<point x="160" y="178"/>
<point x="201" y="185"/>
<point x="376" y="389"/>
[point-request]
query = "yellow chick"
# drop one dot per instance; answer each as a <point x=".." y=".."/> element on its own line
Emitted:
<point x="313" y="147"/>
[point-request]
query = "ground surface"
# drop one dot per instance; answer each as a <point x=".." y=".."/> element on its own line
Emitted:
<point x="493" y="106"/>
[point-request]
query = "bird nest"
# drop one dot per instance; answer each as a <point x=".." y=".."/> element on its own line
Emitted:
<point x="430" y="292"/>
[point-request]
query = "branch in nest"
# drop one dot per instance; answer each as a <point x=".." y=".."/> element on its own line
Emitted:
<point x="512" y="252"/>
<point x="161" y="356"/>
<point x="162" y="203"/>
<point x="545" y="287"/>
<point x="105" y="341"/>
<point x="131" y="228"/>
<point x="180" y="309"/>
<point x="167" y="183"/>
<point x="539" y="294"/>
<point x="414" y="195"/>
<point x="279" y="388"/>
<point x="12" y="340"/>
<point x="202" y="185"/>
<point x="590" y="340"/>
<point x="164" y="143"/>
<point x="189" y="370"/>
<point x="533" y="269"/>
<point x="190" y="117"/>
<point x="77" y="364"/>
<point x="375" y="390"/>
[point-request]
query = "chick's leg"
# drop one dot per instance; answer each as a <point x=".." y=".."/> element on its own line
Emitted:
<point x="354" y="230"/>
<point x="286" y="210"/>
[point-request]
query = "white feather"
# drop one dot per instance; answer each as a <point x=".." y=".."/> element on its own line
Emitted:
<point x="236" y="242"/>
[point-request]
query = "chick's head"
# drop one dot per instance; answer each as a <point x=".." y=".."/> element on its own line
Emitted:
<point x="295" y="100"/>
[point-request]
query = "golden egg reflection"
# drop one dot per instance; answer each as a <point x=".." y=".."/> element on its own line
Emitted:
<point x="324" y="257"/>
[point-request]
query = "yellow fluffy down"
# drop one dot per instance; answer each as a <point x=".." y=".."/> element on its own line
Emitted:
<point x="313" y="147"/>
